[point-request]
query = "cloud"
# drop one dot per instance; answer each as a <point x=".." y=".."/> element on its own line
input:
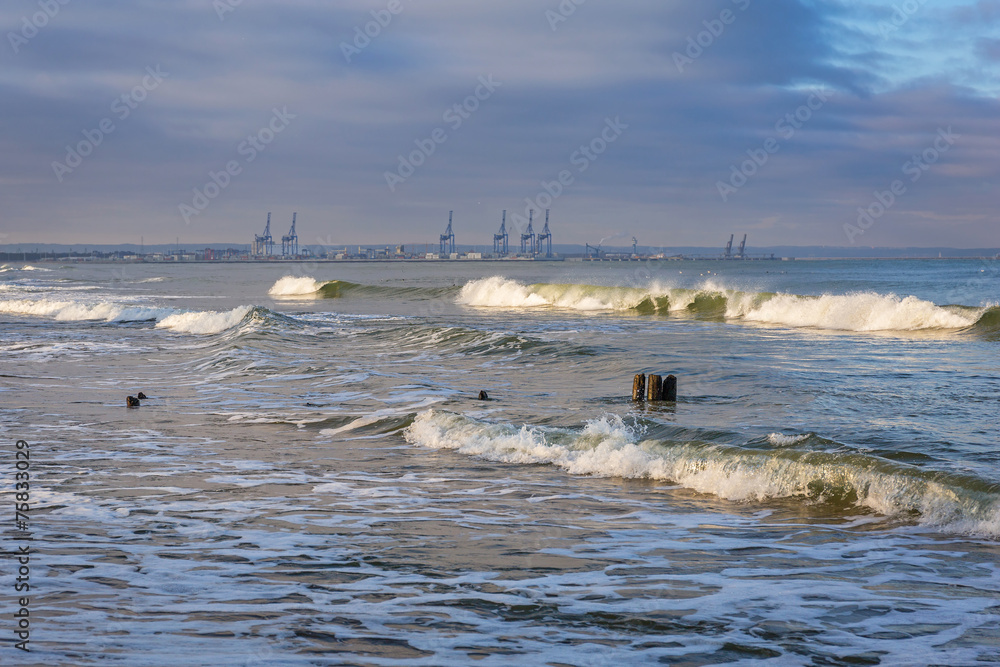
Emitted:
<point x="889" y="92"/>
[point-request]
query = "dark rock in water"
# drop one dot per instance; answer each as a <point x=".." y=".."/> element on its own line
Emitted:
<point x="483" y="396"/>
<point x="132" y="402"/>
<point x="141" y="396"/>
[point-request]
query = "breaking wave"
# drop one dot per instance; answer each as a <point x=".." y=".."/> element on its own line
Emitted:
<point x="337" y="289"/>
<point x="295" y="286"/>
<point x="205" y="322"/>
<point x="860" y="311"/>
<point x="608" y="447"/>
<point x="196" y="322"/>
<point x="76" y="311"/>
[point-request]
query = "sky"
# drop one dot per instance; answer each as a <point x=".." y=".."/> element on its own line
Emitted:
<point x="797" y="122"/>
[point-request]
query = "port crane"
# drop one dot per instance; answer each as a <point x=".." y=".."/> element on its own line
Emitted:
<point x="528" y="239"/>
<point x="546" y="237"/>
<point x="263" y="244"/>
<point x="290" y="242"/>
<point x="501" y="238"/>
<point x="447" y="240"/>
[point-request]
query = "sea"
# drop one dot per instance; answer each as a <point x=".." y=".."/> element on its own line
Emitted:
<point x="314" y="480"/>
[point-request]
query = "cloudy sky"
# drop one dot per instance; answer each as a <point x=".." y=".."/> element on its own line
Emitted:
<point x="677" y="122"/>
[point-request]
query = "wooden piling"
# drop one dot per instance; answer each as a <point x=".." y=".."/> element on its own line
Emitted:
<point x="655" y="386"/>
<point x="670" y="388"/>
<point x="639" y="387"/>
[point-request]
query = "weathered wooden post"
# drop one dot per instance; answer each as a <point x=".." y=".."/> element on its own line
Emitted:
<point x="655" y="386"/>
<point x="639" y="387"/>
<point x="670" y="389"/>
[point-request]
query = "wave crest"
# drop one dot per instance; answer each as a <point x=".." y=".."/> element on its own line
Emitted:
<point x="295" y="286"/>
<point x="608" y="447"/>
<point x="197" y="322"/>
<point x="204" y="322"/>
<point x="859" y="311"/>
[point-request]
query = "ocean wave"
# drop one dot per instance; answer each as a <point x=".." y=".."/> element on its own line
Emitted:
<point x="465" y="341"/>
<point x="72" y="311"/>
<point x="197" y="322"/>
<point x="27" y="267"/>
<point x="608" y="447"/>
<point x="299" y="286"/>
<point x="860" y="311"/>
<point x="204" y="322"/>
<point x="784" y="440"/>
<point x="295" y="286"/>
<point x="863" y="311"/>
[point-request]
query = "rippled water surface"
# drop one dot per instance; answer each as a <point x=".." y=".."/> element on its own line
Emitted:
<point x="313" y="481"/>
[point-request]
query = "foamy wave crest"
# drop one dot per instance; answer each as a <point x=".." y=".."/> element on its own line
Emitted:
<point x="782" y="440"/>
<point x="204" y="322"/>
<point x="608" y="447"/>
<point x="73" y="311"/>
<point x="199" y="322"/>
<point x="501" y="292"/>
<point x="294" y="286"/>
<point x="848" y="312"/>
<point x="858" y="312"/>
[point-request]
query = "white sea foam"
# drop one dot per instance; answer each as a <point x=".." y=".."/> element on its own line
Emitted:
<point x="204" y="322"/>
<point x="499" y="292"/>
<point x="783" y="440"/>
<point x="607" y="447"/>
<point x="865" y="311"/>
<point x="848" y="312"/>
<point x="294" y="286"/>
<point x="73" y="311"/>
<point x="201" y="322"/>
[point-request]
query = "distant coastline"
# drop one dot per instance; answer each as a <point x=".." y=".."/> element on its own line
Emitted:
<point x="228" y="253"/>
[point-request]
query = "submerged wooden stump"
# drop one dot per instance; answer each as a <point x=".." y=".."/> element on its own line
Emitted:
<point x="639" y="387"/>
<point x="670" y="388"/>
<point x="655" y="387"/>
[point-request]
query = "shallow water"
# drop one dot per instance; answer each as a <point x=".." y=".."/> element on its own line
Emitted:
<point x="313" y="482"/>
